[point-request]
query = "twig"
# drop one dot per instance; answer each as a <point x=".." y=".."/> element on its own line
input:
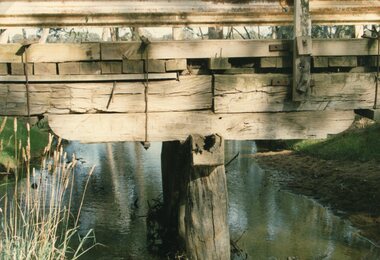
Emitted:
<point x="233" y="158"/>
<point x="241" y="35"/>
<point x="248" y="35"/>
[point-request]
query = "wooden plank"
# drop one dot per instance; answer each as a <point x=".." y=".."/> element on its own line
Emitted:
<point x="256" y="93"/>
<point x="89" y="68"/>
<point x="68" y="68"/>
<point x="190" y="49"/>
<point x="302" y="50"/>
<point x="268" y="62"/>
<point x="182" y="50"/>
<point x="176" y="65"/>
<point x="343" y="61"/>
<point x="234" y="49"/>
<point x="156" y="66"/>
<point x="8" y="53"/>
<point x="111" y="67"/>
<point x="320" y="62"/>
<point x="3" y="68"/>
<point x="18" y="69"/>
<point x="179" y="12"/>
<point x="275" y="62"/>
<point x="190" y="93"/>
<point x="133" y="66"/>
<point x="179" y="125"/>
<point x="45" y="68"/>
<point x="63" y="52"/>
<point x="84" y="78"/>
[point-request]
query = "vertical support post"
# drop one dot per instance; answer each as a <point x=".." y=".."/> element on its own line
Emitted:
<point x="302" y="48"/>
<point x="195" y="194"/>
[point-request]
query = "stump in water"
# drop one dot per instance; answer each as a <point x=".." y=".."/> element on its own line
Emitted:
<point x="195" y="195"/>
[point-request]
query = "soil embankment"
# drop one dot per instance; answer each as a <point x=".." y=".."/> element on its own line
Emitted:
<point x="350" y="188"/>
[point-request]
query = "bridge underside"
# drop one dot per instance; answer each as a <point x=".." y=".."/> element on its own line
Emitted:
<point x="167" y="90"/>
<point x="91" y="92"/>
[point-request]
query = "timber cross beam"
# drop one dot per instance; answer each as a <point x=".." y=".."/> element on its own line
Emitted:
<point x="53" y="13"/>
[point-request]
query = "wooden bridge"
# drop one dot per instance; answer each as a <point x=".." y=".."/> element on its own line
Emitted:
<point x="167" y="90"/>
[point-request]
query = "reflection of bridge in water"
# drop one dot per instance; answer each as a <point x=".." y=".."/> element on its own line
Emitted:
<point x="167" y="90"/>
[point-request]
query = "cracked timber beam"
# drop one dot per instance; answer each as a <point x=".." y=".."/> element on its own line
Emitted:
<point x="180" y="12"/>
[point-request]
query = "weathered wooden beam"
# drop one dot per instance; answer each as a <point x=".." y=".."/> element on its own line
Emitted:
<point x="272" y="92"/>
<point x="190" y="93"/>
<point x="235" y="48"/>
<point x="180" y="12"/>
<point x="86" y="78"/>
<point x="302" y="50"/>
<point x="178" y="125"/>
<point x="182" y="50"/>
<point x="3" y="69"/>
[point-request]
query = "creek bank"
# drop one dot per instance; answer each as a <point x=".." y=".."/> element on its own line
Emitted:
<point x="350" y="188"/>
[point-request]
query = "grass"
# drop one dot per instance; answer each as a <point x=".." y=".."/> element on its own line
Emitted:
<point x="36" y="218"/>
<point x="355" y="144"/>
<point x="38" y="140"/>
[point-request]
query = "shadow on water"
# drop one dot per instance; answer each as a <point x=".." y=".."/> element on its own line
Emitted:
<point x="276" y="224"/>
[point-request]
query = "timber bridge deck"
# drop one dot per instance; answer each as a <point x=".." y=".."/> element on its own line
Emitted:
<point x="176" y="90"/>
<point x="165" y="90"/>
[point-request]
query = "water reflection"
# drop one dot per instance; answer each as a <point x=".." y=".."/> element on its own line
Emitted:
<point x="277" y="224"/>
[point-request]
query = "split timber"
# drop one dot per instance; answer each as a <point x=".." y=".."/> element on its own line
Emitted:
<point x="244" y="94"/>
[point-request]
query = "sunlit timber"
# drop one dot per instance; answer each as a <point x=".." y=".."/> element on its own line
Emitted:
<point x="188" y="12"/>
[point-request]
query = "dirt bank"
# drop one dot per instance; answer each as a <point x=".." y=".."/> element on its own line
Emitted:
<point x="350" y="188"/>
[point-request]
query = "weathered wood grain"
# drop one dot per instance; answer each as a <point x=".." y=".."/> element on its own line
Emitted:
<point x="45" y="68"/>
<point x="343" y="61"/>
<point x="179" y="12"/>
<point x="133" y="66"/>
<point x="112" y="67"/>
<point x="57" y="52"/>
<point x="302" y="46"/>
<point x="178" y="125"/>
<point x="181" y="50"/>
<point x="176" y="65"/>
<point x="191" y="93"/>
<point x="19" y="69"/>
<point x="234" y="48"/>
<point x="3" y="69"/>
<point x="257" y="93"/>
<point x="8" y="52"/>
<point x="87" y="78"/>
<point x="68" y="68"/>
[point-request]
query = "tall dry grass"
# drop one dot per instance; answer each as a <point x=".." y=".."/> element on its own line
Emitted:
<point x="36" y="216"/>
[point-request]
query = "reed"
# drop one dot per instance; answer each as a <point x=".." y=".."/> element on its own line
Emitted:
<point x="36" y="216"/>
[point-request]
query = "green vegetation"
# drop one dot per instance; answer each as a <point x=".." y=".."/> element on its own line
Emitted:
<point x="36" y="219"/>
<point x="38" y="140"/>
<point x="355" y="144"/>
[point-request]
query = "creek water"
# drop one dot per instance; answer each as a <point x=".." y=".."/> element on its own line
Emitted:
<point x="269" y="223"/>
